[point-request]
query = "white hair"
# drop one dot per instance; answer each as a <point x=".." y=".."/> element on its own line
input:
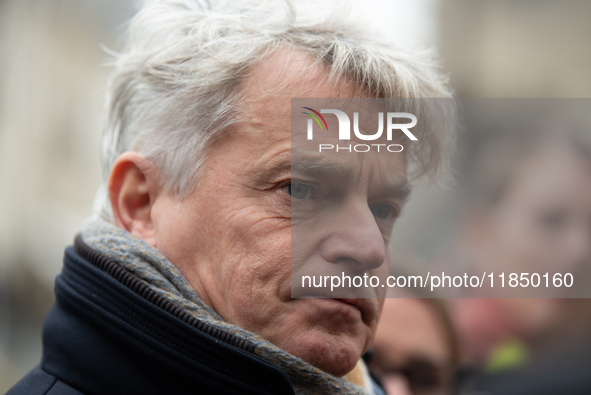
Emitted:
<point x="176" y="84"/>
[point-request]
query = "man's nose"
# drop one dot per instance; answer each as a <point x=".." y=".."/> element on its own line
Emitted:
<point x="356" y="239"/>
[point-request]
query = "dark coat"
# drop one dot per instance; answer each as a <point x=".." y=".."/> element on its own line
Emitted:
<point x="109" y="333"/>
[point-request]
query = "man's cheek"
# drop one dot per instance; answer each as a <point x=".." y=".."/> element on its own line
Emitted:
<point x="262" y="307"/>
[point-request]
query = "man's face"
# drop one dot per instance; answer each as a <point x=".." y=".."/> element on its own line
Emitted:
<point x="543" y="221"/>
<point x="410" y="353"/>
<point x="231" y="237"/>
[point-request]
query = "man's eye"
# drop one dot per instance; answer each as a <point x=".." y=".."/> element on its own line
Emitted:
<point x="382" y="211"/>
<point x="297" y="190"/>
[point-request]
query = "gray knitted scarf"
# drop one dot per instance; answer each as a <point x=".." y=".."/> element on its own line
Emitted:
<point x="149" y="265"/>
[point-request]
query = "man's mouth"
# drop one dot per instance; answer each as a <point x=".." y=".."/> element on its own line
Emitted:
<point x="368" y="307"/>
<point x="365" y="306"/>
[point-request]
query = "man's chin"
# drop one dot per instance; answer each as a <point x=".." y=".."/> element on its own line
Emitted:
<point x="329" y="334"/>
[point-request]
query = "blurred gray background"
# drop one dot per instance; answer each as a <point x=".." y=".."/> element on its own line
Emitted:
<point x="52" y="82"/>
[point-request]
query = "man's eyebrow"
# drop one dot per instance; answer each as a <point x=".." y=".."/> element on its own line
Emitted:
<point x="267" y="175"/>
<point x="305" y="167"/>
<point x="399" y="191"/>
<point x="322" y="169"/>
<point x="319" y="169"/>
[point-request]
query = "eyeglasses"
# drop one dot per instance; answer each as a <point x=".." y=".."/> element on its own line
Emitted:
<point x="424" y="377"/>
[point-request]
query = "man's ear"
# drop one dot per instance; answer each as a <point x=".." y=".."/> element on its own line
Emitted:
<point x="133" y="189"/>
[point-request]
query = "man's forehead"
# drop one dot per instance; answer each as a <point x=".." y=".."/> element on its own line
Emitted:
<point x="290" y="73"/>
<point x="268" y="90"/>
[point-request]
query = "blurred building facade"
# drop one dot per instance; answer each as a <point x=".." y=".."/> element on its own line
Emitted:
<point x="516" y="48"/>
<point x="497" y="49"/>
<point x="51" y="97"/>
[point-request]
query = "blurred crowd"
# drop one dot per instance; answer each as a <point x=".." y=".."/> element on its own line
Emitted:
<point x="522" y="200"/>
<point x="529" y="208"/>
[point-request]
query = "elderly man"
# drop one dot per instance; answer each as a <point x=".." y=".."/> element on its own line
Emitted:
<point x="182" y="283"/>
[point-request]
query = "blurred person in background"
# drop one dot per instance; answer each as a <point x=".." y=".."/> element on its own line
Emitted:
<point x="181" y="283"/>
<point x="530" y="212"/>
<point x="415" y="349"/>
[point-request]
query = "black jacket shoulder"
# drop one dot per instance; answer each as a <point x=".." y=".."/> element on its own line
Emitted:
<point x="109" y="333"/>
<point x="37" y="382"/>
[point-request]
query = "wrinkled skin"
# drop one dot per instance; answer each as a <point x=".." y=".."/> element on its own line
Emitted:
<point x="231" y="236"/>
